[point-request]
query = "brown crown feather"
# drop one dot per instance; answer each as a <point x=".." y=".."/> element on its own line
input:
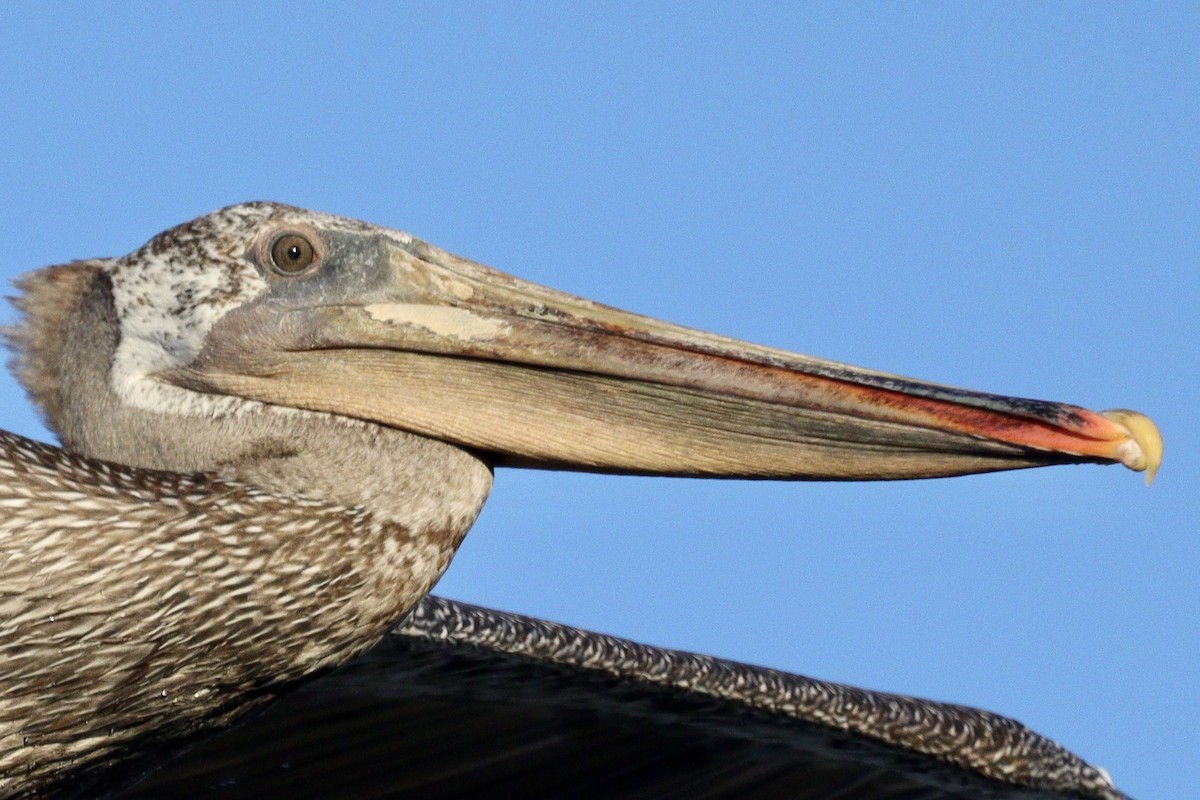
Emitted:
<point x="47" y="300"/>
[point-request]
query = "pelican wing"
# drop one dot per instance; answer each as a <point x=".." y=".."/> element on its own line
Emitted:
<point x="462" y="701"/>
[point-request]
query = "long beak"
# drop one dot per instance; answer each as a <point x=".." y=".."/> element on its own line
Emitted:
<point x="453" y="350"/>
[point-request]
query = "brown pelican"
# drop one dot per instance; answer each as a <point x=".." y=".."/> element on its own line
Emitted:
<point x="278" y="426"/>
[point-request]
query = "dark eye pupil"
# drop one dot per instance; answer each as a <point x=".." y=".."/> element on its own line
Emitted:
<point x="293" y="252"/>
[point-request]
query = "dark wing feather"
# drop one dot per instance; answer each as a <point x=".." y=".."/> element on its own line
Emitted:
<point x="462" y="701"/>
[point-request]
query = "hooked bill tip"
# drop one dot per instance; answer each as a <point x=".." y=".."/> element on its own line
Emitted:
<point x="1144" y="450"/>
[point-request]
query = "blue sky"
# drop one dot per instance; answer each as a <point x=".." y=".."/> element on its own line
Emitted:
<point x="999" y="196"/>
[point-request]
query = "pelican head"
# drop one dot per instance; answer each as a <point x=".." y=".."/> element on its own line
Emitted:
<point x="262" y="305"/>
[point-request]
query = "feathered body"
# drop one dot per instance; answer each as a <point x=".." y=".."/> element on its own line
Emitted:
<point x="139" y="606"/>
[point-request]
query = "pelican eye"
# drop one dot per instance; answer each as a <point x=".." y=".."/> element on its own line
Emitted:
<point x="292" y="253"/>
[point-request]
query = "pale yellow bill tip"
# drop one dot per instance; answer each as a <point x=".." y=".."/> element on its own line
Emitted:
<point x="1146" y="438"/>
